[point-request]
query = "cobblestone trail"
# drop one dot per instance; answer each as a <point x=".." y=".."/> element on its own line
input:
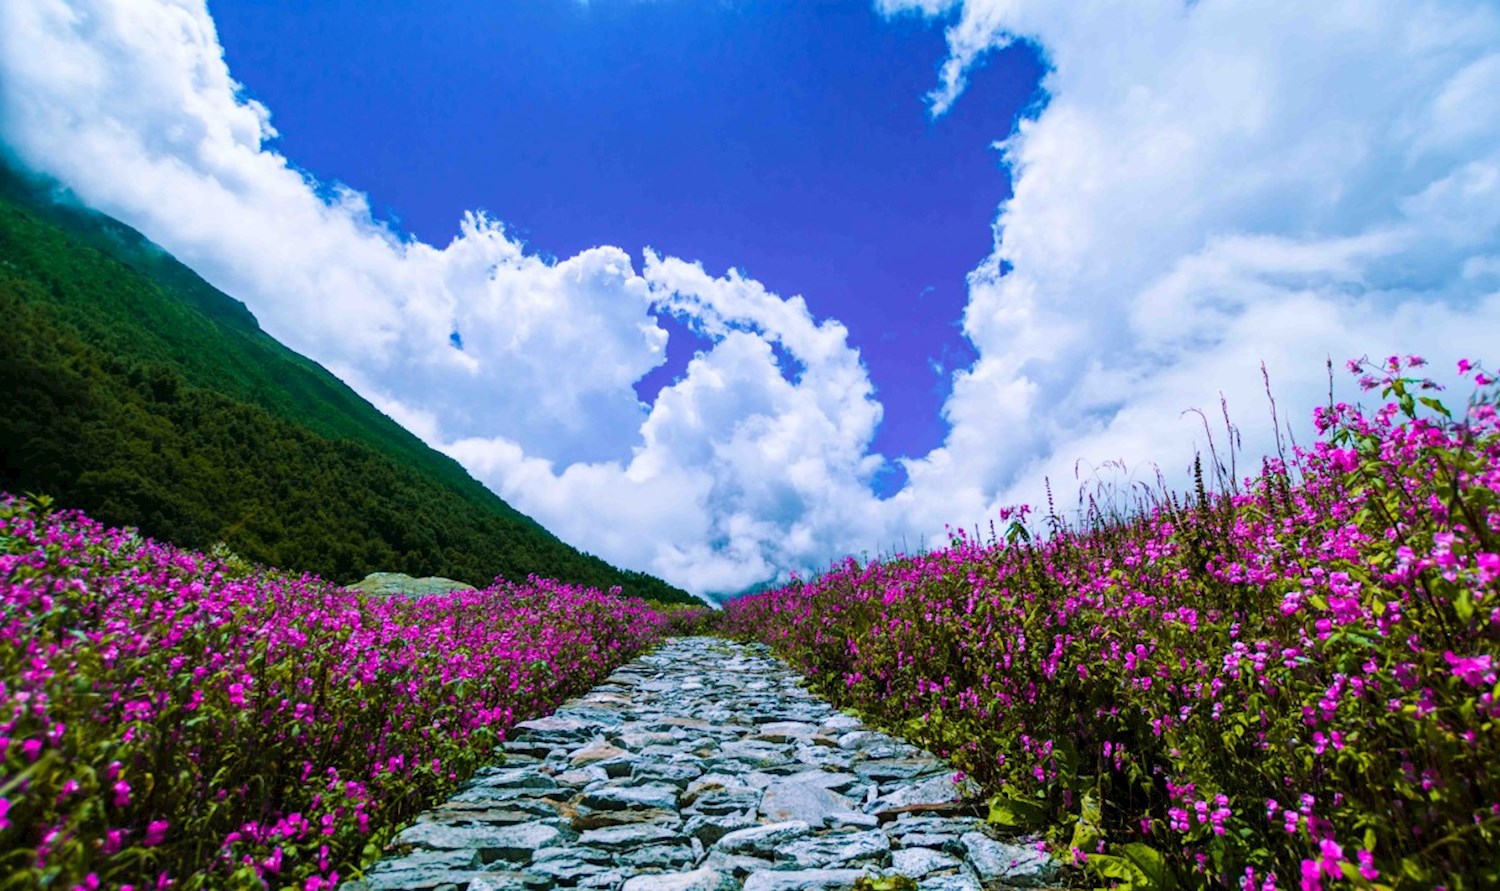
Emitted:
<point x="704" y="766"/>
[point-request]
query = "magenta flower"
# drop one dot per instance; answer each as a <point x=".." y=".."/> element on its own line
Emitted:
<point x="156" y="833"/>
<point x="1476" y="671"/>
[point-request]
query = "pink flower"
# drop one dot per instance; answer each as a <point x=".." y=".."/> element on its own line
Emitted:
<point x="156" y="832"/>
<point x="1476" y="671"/>
<point x="1312" y="876"/>
<point x="122" y="793"/>
<point x="4" y="809"/>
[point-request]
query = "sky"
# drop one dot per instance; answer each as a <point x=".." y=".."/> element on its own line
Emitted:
<point x="724" y="291"/>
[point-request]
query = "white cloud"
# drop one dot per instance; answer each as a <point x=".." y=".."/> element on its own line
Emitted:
<point x="1209" y="185"/>
<point x="732" y="475"/>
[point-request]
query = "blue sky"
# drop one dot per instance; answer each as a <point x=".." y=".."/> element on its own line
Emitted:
<point x="1187" y="192"/>
<point x="789" y="140"/>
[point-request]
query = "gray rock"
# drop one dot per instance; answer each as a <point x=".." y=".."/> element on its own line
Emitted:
<point x="720" y="803"/>
<point x="803" y="879"/>
<point x="897" y="768"/>
<point x="919" y="862"/>
<point x="933" y="790"/>
<point x="1019" y="865"/>
<point x="703" y="879"/>
<point x="802" y="801"/>
<point x="737" y="865"/>
<point x="514" y="842"/>
<point x="624" y="838"/>
<point x="838" y="849"/>
<point x="399" y="584"/>
<point x="648" y="795"/>
<point x="530" y="777"/>
<point x="678" y="775"/>
<point x="762" y="839"/>
<point x="508" y="881"/>
<point x="709" y="828"/>
<point x="658" y="857"/>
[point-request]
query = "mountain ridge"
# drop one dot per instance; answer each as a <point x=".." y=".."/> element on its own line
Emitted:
<point x="117" y="350"/>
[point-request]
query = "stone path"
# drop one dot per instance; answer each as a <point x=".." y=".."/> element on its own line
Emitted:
<point x="704" y="766"/>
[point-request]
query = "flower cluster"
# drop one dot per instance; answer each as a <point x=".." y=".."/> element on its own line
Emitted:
<point x="1287" y="683"/>
<point x="168" y="719"/>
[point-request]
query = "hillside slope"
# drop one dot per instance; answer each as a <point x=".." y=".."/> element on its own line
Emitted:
<point x="133" y="389"/>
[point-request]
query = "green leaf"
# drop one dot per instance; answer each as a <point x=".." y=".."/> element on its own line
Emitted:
<point x="1016" y="813"/>
<point x="1436" y="406"/>
<point x="1134" y="867"/>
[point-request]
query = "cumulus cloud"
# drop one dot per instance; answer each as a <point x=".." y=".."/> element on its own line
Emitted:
<point x="1210" y="185"/>
<point x="1207" y="186"/>
<point x="521" y="367"/>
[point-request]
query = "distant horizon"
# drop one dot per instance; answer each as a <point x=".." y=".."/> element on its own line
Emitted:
<point x="725" y="292"/>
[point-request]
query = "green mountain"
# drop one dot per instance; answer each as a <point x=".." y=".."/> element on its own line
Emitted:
<point x="133" y="389"/>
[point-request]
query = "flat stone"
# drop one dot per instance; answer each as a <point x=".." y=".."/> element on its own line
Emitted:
<point x="432" y="861"/>
<point x="709" y="828"/>
<point x="484" y="812"/>
<point x="514" y="842"/>
<point x="591" y="818"/>
<point x="964" y="880"/>
<point x="678" y="775"/>
<point x="530" y="777"/>
<point x="762" y="839"/>
<point x="919" y="862"/>
<point x="726" y="802"/>
<point x="580" y="777"/>
<point x="648" y="795"/>
<point x="804" y="880"/>
<point x="703" y="879"/>
<point x="1019" y="865"/>
<point x="838" y="849"/>
<point x="623" y="838"/>
<point x="756" y="754"/>
<point x="571" y="852"/>
<point x="557" y="724"/>
<point x="802" y="801"/>
<point x="658" y="857"/>
<point x="897" y="768"/>
<point x="785" y="731"/>
<point x="604" y="881"/>
<point x="599" y="750"/>
<point x="832" y="780"/>
<point x="567" y="870"/>
<point x="934" y="790"/>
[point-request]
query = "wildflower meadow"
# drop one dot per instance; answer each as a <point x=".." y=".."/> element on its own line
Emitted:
<point x="1286" y="681"/>
<point x="173" y="720"/>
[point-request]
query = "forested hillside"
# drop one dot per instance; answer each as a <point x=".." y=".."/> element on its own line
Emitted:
<point x="133" y="389"/>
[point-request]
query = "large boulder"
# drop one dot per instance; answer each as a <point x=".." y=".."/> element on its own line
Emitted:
<point x="394" y="584"/>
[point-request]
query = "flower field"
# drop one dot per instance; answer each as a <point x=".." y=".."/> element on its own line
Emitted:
<point x="168" y="719"/>
<point x="1288" y="682"/>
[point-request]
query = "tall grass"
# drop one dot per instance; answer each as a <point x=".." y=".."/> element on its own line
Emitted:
<point x="1291" y="682"/>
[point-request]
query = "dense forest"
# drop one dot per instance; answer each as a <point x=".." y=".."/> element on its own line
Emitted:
<point x="133" y="389"/>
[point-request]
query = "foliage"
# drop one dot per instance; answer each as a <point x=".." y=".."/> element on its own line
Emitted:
<point x="1289" y="684"/>
<point x="132" y="389"/>
<point x="169" y="719"/>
